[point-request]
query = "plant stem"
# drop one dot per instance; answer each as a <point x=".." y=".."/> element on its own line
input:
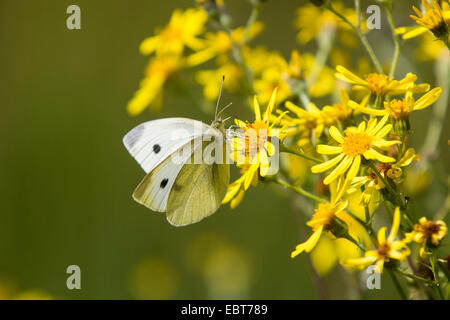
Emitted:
<point x="397" y="285"/>
<point x="298" y="153"/>
<point x="359" y="245"/>
<point x="362" y="37"/>
<point x="412" y="276"/>
<point x="399" y="201"/>
<point x="358" y="13"/>
<point x="237" y="56"/>
<point x="299" y="190"/>
<point x="325" y="42"/>
<point x="251" y="19"/>
<point x="388" y="7"/>
<point x="433" y="262"/>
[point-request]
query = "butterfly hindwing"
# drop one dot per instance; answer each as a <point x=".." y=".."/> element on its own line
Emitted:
<point x="197" y="193"/>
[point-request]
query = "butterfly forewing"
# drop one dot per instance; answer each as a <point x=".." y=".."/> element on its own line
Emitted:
<point x="153" y="191"/>
<point x="153" y="141"/>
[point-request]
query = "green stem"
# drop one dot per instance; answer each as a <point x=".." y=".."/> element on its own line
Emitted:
<point x="298" y="153"/>
<point x="382" y="178"/>
<point x="433" y="262"/>
<point x="251" y="19"/>
<point x="359" y="245"/>
<point x="397" y="285"/>
<point x="299" y="190"/>
<point x="399" y="200"/>
<point x="237" y="56"/>
<point x="447" y="43"/>
<point x="388" y="7"/>
<point x="412" y="276"/>
<point x="361" y="36"/>
<point x="325" y="42"/>
<point x="358" y="13"/>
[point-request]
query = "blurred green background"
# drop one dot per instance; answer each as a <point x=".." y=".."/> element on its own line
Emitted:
<point x="66" y="180"/>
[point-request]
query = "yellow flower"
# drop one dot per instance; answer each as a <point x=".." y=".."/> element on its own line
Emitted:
<point x="400" y="109"/>
<point x="254" y="144"/>
<point x="415" y="31"/>
<point x="380" y="84"/>
<point x="182" y="30"/>
<point x="271" y="78"/>
<point x="236" y="190"/>
<point x="210" y="80"/>
<point x="372" y="184"/>
<point x="158" y="71"/>
<point x="356" y="143"/>
<point x="252" y="148"/>
<point x="432" y="19"/>
<point x="387" y="248"/>
<point x="313" y="120"/>
<point x="310" y="20"/>
<point x="427" y="232"/>
<point x="221" y="44"/>
<point x="321" y="221"/>
<point x="307" y="120"/>
<point x="275" y="71"/>
<point x="329" y="250"/>
<point x="394" y="171"/>
<point x="337" y="113"/>
<point x="331" y="220"/>
<point x="260" y="58"/>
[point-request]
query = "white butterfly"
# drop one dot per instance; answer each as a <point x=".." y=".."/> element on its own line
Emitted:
<point x="188" y="189"/>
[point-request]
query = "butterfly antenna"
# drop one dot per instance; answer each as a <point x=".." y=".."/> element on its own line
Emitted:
<point x="227" y="106"/>
<point x="220" y="95"/>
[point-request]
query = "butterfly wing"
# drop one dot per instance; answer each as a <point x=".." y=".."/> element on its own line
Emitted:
<point x="198" y="191"/>
<point x="152" y="142"/>
<point x="153" y="191"/>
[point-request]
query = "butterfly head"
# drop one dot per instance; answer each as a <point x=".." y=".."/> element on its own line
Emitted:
<point x="219" y="124"/>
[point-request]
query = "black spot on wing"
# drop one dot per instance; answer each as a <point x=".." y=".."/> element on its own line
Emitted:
<point x="156" y="148"/>
<point x="133" y="136"/>
<point x="164" y="183"/>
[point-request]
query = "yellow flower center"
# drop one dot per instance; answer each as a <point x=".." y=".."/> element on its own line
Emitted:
<point x="256" y="136"/>
<point x="398" y="109"/>
<point x="383" y="250"/>
<point x="377" y="83"/>
<point x="323" y="216"/>
<point x="356" y="144"/>
<point x="431" y="231"/>
<point x="171" y="33"/>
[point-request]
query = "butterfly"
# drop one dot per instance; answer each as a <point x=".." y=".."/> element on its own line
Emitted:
<point x="185" y="161"/>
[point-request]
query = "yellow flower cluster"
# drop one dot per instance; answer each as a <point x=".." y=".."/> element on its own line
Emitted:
<point x="354" y="148"/>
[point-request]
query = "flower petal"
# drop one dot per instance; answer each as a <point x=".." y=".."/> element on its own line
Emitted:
<point x="373" y="154"/>
<point x="324" y="166"/>
<point x="428" y="99"/>
<point x="325" y="149"/>
<point x="339" y="170"/>
<point x="309" y="244"/>
<point x="336" y="134"/>
<point x="346" y="75"/>
<point x="257" y="109"/>
<point x="395" y="225"/>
